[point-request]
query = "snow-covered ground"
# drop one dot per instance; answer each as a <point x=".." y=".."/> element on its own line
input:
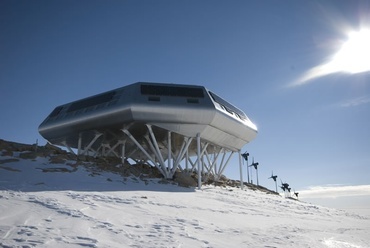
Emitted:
<point x="60" y="205"/>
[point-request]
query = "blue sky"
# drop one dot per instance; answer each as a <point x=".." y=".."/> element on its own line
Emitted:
<point x="252" y="53"/>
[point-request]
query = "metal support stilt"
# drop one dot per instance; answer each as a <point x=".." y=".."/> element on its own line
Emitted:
<point x="169" y="152"/>
<point x="68" y="148"/>
<point x="199" y="169"/>
<point x="145" y="152"/>
<point x="187" y="161"/>
<point x="209" y="162"/>
<point x="123" y="151"/>
<point x="215" y="167"/>
<point x="112" y="149"/>
<point x="201" y="153"/>
<point x="222" y="161"/>
<point x="241" y="170"/>
<point x="83" y="152"/>
<point x="79" y="144"/>
<point x="155" y="148"/>
<point x="226" y="163"/>
<point x="183" y="150"/>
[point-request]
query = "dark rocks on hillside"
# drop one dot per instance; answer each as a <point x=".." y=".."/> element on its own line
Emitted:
<point x="185" y="179"/>
<point x="7" y="153"/>
<point x="54" y="149"/>
<point x="142" y="171"/>
<point x="57" y="160"/>
<point x="9" y="160"/>
<point x="14" y="146"/>
<point x="8" y="148"/>
<point x="57" y="169"/>
<point x="28" y="155"/>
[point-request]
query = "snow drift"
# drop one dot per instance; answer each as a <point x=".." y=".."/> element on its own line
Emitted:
<point x="70" y="204"/>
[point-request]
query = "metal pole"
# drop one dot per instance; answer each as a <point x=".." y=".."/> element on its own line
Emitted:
<point x="251" y="175"/>
<point x="155" y="148"/>
<point x="79" y="145"/>
<point x="86" y="149"/>
<point x="169" y="151"/>
<point x="187" y="160"/>
<point x="199" y="169"/>
<point x="163" y="171"/>
<point x="226" y="163"/>
<point x="248" y="170"/>
<point x="68" y="148"/>
<point x="276" y="186"/>
<point x="180" y="156"/>
<point x="241" y="170"/>
<point x="123" y="152"/>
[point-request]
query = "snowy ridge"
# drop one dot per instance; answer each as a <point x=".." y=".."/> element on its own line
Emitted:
<point x="64" y="205"/>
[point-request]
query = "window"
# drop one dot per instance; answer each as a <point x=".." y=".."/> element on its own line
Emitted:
<point x="56" y="111"/>
<point x="92" y="101"/>
<point x="165" y="90"/>
<point x="228" y="107"/>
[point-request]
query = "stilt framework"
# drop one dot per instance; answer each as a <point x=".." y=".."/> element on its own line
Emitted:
<point x="167" y="151"/>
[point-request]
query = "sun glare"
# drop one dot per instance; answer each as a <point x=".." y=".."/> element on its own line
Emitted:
<point x="352" y="57"/>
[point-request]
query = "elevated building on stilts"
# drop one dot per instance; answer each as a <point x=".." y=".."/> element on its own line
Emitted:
<point x="169" y="126"/>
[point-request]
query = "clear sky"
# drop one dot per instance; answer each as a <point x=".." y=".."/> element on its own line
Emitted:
<point x="272" y="59"/>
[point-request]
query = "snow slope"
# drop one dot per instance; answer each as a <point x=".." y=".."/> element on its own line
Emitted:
<point x="61" y="205"/>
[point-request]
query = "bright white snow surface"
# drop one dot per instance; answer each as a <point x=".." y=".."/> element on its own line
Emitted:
<point x="81" y="208"/>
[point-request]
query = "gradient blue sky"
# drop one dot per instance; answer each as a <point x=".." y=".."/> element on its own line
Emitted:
<point x="249" y="52"/>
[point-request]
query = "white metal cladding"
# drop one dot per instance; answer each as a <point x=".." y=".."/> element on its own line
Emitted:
<point x="143" y="120"/>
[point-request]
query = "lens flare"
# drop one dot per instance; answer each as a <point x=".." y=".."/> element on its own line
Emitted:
<point x="353" y="57"/>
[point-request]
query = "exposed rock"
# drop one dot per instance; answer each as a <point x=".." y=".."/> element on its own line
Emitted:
<point x="13" y="146"/>
<point x="9" y="168"/>
<point x="7" y="153"/>
<point x="140" y="171"/>
<point x="57" y="160"/>
<point x="82" y="158"/>
<point x="28" y="155"/>
<point x="184" y="179"/>
<point x="4" y="161"/>
<point x="54" y="149"/>
<point x="56" y="169"/>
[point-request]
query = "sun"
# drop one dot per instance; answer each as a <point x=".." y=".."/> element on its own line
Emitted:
<point x="352" y="57"/>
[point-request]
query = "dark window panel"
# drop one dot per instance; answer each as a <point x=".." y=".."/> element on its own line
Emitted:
<point x="56" y="111"/>
<point x="91" y="101"/>
<point x="160" y="90"/>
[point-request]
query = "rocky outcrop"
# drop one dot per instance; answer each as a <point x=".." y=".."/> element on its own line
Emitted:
<point x="142" y="171"/>
<point x="185" y="179"/>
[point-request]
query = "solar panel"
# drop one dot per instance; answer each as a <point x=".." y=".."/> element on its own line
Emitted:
<point x="228" y="106"/>
<point x="161" y="90"/>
